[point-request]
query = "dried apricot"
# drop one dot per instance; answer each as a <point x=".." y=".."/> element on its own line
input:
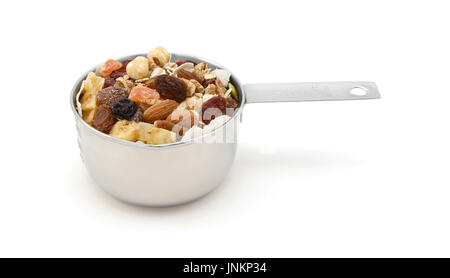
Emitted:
<point x="109" y="66"/>
<point x="212" y="108"/>
<point x="170" y="87"/>
<point x="143" y="95"/>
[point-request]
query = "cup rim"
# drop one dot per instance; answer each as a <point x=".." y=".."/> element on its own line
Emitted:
<point x="201" y="138"/>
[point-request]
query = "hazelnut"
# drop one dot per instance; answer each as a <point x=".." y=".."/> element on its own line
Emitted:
<point x="158" y="56"/>
<point x="138" y="68"/>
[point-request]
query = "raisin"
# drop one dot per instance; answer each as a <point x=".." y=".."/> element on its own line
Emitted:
<point x="212" y="108"/>
<point x="124" y="64"/>
<point x="108" y="95"/>
<point x="118" y="73"/>
<point x="124" y="108"/>
<point x="109" y="82"/>
<point x="103" y="119"/>
<point x="170" y="87"/>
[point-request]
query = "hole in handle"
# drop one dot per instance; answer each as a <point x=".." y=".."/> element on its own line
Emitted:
<point x="358" y="91"/>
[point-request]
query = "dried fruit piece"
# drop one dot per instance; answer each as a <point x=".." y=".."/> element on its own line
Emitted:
<point x="93" y="83"/>
<point x="144" y="129"/>
<point x="109" y="66"/>
<point x="109" y="95"/>
<point x="158" y="136"/>
<point x="126" y="130"/>
<point x="234" y="92"/>
<point x="160" y="111"/>
<point x="170" y="87"/>
<point x="124" y="108"/>
<point x="212" y="108"/>
<point x="103" y="119"/>
<point x="109" y="82"/>
<point x="88" y="101"/>
<point x="118" y="73"/>
<point x="138" y="68"/>
<point x="88" y="116"/>
<point x="143" y="95"/>
<point x="183" y="117"/>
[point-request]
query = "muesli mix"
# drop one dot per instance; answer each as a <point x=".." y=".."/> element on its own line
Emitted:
<point x="154" y="100"/>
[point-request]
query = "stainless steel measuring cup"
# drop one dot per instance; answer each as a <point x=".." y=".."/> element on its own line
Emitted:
<point x="173" y="174"/>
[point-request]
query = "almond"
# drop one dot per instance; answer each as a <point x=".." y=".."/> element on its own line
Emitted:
<point x="160" y="110"/>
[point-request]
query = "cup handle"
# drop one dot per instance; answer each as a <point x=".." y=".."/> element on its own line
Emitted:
<point x="310" y="91"/>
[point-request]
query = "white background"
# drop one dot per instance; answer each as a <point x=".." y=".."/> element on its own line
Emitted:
<point x="339" y="179"/>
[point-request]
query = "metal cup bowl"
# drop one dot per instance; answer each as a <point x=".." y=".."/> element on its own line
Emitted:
<point x="161" y="175"/>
